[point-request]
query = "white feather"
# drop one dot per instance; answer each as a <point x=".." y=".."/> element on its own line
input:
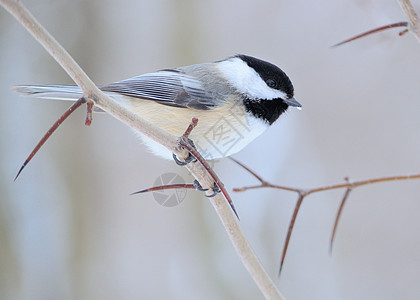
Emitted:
<point x="247" y="81"/>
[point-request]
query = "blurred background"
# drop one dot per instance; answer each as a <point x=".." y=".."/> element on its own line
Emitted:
<point x="69" y="228"/>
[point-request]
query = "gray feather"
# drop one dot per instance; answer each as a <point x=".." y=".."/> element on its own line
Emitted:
<point x="168" y="87"/>
<point x="188" y="87"/>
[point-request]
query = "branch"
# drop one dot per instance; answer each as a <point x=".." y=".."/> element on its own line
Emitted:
<point x="91" y="91"/>
<point x="413" y="24"/>
<point x="174" y="186"/>
<point x="338" y="215"/>
<point x="50" y="131"/>
<point x="289" y="232"/>
<point x="412" y="17"/>
<point x="382" y="28"/>
<point x="346" y="184"/>
<point x="303" y="193"/>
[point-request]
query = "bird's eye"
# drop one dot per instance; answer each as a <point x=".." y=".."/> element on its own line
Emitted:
<point x="271" y="83"/>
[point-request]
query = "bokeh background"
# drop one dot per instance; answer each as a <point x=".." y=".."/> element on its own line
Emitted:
<point x="69" y="228"/>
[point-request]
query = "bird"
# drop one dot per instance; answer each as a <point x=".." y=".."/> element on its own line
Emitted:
<point x="235" y="100"/>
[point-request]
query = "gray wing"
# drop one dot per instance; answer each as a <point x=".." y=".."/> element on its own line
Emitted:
<point x="169" y="87"/>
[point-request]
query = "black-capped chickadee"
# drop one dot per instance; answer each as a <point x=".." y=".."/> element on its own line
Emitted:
<point x="235" y="100"/>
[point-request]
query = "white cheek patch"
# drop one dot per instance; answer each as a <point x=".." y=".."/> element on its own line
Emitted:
<point x="247" y="81"/>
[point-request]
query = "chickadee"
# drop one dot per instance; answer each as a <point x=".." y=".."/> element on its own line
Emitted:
<point x="235" y="100"/>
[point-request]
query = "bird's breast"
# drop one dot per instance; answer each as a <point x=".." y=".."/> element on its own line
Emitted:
<point x="219" y="133"/>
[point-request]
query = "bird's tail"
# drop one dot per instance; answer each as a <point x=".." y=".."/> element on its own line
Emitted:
<point x="55" y="92"/>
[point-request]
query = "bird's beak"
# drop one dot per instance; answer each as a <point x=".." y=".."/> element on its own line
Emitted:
<point x="292" y="102"/>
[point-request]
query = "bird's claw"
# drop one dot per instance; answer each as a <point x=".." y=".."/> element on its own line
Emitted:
<point x="198" y="187"/>
<point x="189" y="159"/>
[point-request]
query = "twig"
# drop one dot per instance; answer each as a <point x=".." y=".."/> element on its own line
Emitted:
<point x="413" y="24"/>
<point x="166" y="187"/>
<point x="303" y="193"/>
<point x="53" y="128"/>
<point x="399" y="24"/>
<point x="289" y="232"/>
<point x="90" y="91"/>
<point x="330" y="187"/>
<point x="263" y="182"/>
<point x="190" y="128"/>
<point x="338" y="215"/>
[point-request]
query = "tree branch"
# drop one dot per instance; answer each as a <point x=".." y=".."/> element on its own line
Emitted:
<point x="303" y="193"/>
<point x="345" y="184"/>
<point x="90" y="91"/>
<point x="378" y="29"/>
<point x="413" y="24"/>
<point x="412" y="17"/>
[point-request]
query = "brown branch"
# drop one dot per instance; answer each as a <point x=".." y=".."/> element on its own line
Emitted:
<point x="190" y="128"/>
<point x="263" y="182"/>
<point x="337" y="217"/>
<point x="303" y="193"/>
<point x="413" y="24"/>
<point x="289" y="231"/>
<point x="50" y="131"/>
<point x="307" y="192"/>
<point x="382" y="28"/>
<point x="249" y="170"/>
<point x="166" y="187"/>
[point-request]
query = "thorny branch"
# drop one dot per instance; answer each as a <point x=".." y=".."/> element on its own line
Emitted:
<point x="94" y="95"/>
<point x="92" y="92"/>
<point x="413" y="24"/>
<point x="303" y="193"/>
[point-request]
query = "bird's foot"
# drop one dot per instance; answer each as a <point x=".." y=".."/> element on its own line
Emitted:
<point x="186" y="161"/>
<point x="198" y="187"/>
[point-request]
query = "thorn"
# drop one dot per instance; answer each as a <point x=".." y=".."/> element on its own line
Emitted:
<point x="281" y="267"/>
<point x="166" y="187"/>
<point x="234" y="209"/>
<point x="337" y="218"/>
<point x="142" y="191"/>
<point x="399" y="24"/>
<point x="47" y="135"/>
<point x="21" y="168"/>
<point x="289" y="232"/>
